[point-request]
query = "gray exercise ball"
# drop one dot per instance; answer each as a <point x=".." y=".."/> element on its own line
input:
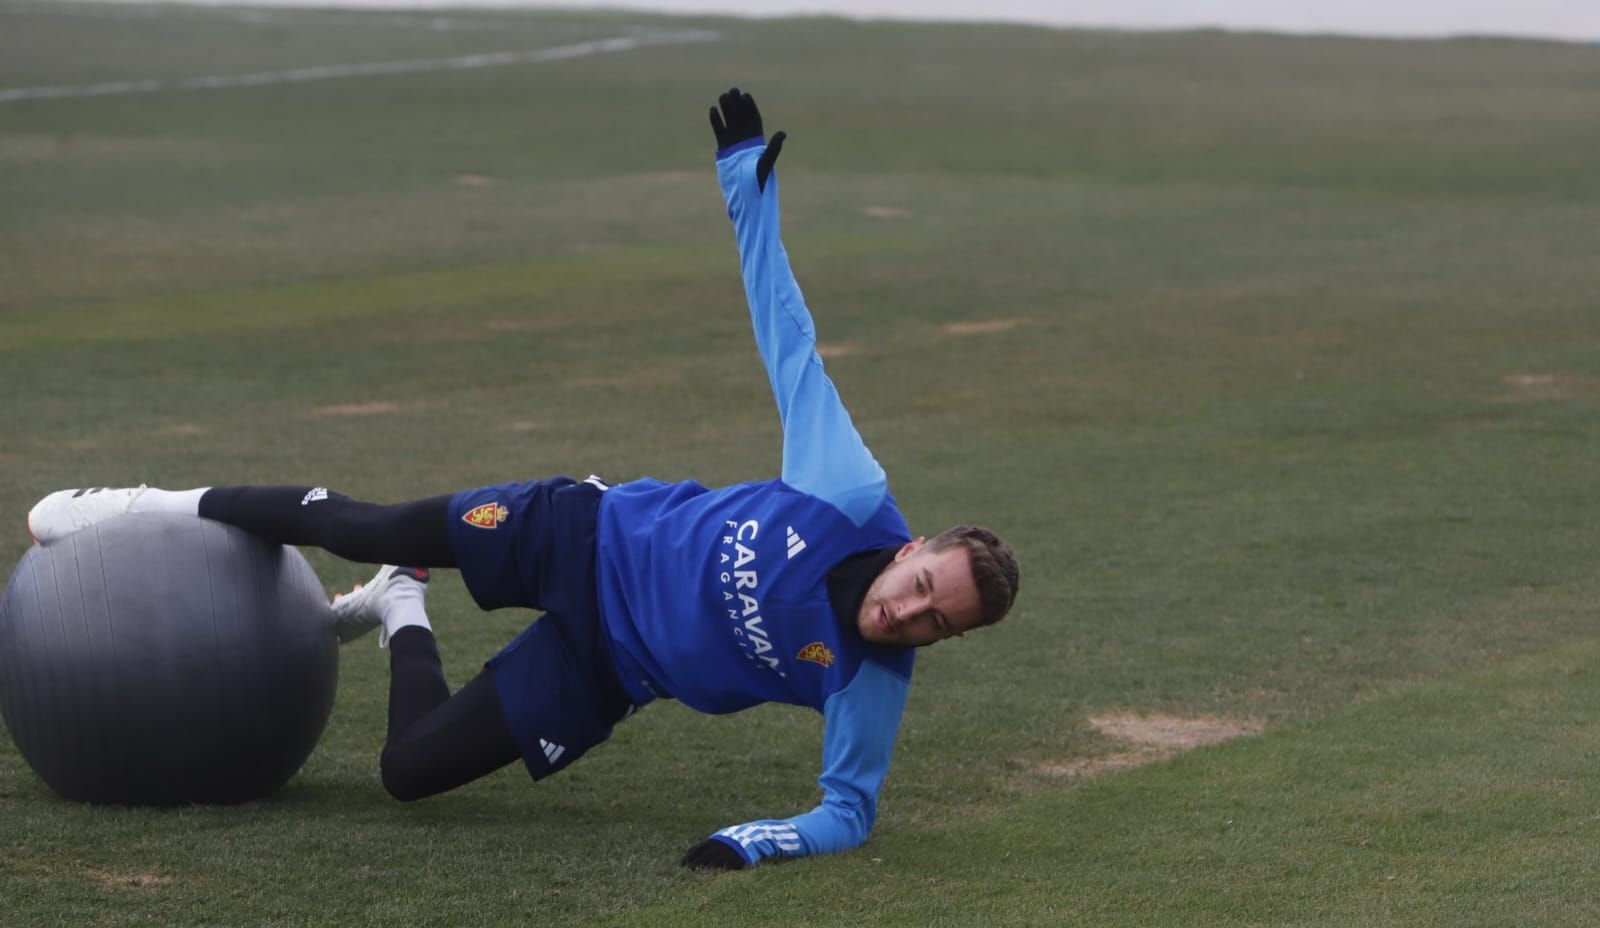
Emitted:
<point x="165" y="660"/>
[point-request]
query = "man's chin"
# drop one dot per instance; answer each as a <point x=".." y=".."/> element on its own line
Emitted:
<point x="880" y="639"/>
<point x="872" y="634"/>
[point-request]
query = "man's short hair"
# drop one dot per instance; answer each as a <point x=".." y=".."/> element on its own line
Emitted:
<point x="994" y="567"/>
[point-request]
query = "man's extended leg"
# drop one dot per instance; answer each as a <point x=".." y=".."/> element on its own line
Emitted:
<point x="415" y="533"/>
<point x="406" y="533"/>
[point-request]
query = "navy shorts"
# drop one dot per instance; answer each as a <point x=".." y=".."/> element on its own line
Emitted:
<point x="533" y="545"/>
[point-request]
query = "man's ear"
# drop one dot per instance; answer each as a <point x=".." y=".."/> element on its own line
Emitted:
<point x="911" y="547"/>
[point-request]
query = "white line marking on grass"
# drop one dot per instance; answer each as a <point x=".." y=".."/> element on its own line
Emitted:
<point x="262" y="17"/>
<point x="371" y="69"/>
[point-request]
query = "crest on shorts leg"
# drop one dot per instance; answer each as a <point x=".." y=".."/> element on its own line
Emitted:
<point x="489" y="515"/>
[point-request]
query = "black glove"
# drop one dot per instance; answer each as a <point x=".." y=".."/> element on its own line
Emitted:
<point x="712" y="854"/>
<point x="740" y="120"/>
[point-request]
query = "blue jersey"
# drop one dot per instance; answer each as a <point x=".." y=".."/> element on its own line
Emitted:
<point x="746" y="617"/>
<point x="718" y="597"/>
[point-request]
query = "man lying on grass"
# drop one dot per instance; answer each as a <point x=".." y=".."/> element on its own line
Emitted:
<point x="808" y="589"/>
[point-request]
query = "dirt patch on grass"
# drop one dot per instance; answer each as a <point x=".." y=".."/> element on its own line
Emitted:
<point x="112" y="879"/>
<point x="649" y="375"/>
<point x="1532" y="387"/>
<point x="887" y="212"/>
<point x="1177" y="733"/>
<point x="835" y="349"/>
<point x="477" y="331"/>
<point x="475" y="180"/>
<point x="1148" y="739"/>
<point x="355" y="409"/>
<point x="181" y="429"/>
<point x="1095" y="766"/>
<point x="980" y="327"/>
<point x="600" y="382"/>
<point x="518" y="325"/>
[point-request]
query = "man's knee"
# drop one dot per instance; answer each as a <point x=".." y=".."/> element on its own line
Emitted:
<point x="403" y="778"/>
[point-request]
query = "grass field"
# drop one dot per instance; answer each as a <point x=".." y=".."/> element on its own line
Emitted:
<point x="1276" y="358"/>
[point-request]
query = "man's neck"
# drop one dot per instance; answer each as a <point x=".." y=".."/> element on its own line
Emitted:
<point x="850" y="579"/>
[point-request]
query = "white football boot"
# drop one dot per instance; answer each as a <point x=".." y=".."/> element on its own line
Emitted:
<point x="66" y="511"/>
<point x="361" y="610"/>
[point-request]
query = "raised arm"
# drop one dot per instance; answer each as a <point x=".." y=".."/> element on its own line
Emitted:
<point x="823" y="454"/>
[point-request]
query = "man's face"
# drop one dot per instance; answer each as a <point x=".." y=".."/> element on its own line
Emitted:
<point x="921" y="597"/>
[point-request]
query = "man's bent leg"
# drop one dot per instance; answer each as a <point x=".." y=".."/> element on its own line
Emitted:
<point x="415" y="533"/>
<point x="437" y="741"/>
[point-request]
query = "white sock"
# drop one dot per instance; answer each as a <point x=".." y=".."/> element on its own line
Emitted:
<point x="402" y="607"/>
<point x="177" y="502"/>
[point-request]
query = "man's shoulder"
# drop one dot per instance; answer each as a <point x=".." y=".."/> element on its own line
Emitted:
<point x="885" y="519"/>
<point x="874" y="676"/>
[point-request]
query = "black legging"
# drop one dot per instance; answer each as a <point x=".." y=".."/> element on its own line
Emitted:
<point x="436" y="741"/>
<point x="414" y="534"/>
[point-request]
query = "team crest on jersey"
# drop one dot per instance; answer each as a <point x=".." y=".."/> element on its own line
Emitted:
<point x="817" y="653"/>
<point x="489" y="515"/>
